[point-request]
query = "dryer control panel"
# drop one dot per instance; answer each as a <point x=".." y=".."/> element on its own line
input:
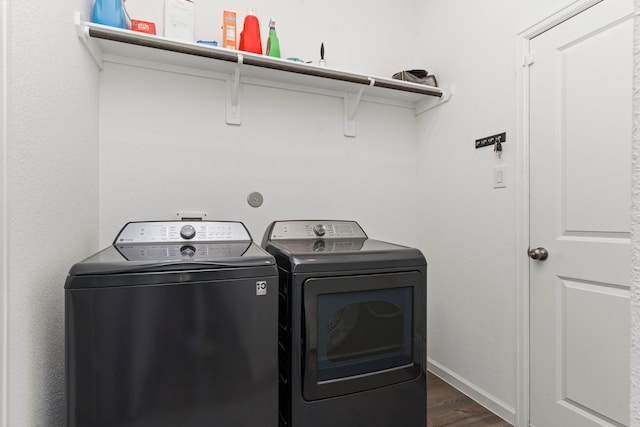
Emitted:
<point x="329" y="229"/>
<point x="183" y="231"/>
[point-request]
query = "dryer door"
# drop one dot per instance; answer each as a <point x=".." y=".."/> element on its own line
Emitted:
<point x="361" y="332"/>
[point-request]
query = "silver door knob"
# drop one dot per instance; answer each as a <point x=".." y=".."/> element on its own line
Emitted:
<point x="539" y="254"/>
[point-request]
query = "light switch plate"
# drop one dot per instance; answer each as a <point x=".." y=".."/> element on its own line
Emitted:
<point x="499" y="177"/>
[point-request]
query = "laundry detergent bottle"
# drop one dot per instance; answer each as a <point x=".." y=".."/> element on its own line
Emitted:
<point x="250" y="40"/>
<point x="109" y="12"/>
<point x="273" y="44"/>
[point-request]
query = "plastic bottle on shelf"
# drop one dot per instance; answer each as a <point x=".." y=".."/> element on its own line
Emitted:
<point x="250" y="40"/>
<point x="273" y="44"/>
<point x="322" y="62"/>
<point x="109" y="12"/>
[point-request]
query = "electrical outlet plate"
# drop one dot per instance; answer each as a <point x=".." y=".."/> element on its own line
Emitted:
<point x="491" y="140"/>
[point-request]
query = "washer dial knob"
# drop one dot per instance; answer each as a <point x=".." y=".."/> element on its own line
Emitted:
<point x="187" y="232"/>
<point x="320" y="230"/>
<point x="188" y="252"/>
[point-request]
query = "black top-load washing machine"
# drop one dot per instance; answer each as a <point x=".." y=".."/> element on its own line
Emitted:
<point x="175" y="324"/>
<point x="351" y="327"/>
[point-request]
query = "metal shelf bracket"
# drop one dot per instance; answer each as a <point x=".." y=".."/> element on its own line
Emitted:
<point x="430" y="104"/>
<point x="83" y="33"/>
<point x="351" y="104"/>
<point x="234" y="110"/>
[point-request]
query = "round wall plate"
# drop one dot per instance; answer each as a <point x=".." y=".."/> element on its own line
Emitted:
<point x="255" y="199"/>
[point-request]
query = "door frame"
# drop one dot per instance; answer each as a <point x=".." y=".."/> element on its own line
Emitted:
<point x="4" y="214"/>
<point x="525" y="58"/>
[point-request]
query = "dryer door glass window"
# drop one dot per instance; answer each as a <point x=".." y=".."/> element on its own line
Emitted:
<point x="361" y="332"/>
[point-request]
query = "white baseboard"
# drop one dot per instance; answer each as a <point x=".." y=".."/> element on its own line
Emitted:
<point x="485" y="399"/>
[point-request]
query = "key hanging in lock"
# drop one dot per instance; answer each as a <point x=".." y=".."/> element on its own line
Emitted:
<point x="497" y="147"/>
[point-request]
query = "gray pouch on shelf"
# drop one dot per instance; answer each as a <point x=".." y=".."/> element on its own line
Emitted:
<point x="417" y="76"/>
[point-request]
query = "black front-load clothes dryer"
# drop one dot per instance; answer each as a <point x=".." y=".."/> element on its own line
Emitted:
<point x="351" y="327"/>
<point x="174" y="324"/>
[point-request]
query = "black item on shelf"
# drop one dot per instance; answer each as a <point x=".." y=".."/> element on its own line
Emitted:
<point x="417" y="76"/>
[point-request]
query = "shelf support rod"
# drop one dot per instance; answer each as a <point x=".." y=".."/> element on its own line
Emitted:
<point x="234" y="110"/>
<point x="351" y="104"/>
<point x="83" y="33"/>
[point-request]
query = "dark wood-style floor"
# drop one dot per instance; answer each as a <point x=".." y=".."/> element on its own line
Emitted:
<point x="446" y="406"/>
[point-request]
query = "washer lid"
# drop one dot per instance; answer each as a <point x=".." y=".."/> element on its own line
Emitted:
<point x="328" y="245"/>
<point x="158" y="246"/>
<point x="182" y="251"/>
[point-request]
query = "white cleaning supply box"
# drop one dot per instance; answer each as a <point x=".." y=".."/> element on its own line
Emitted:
<point x="178" y="20"/>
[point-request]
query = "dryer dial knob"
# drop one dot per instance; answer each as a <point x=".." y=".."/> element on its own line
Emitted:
<point x="320" y="230"/>
<point x="187" y="232"/>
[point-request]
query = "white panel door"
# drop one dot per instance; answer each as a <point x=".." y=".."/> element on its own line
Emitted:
<point x="580" y="200"/>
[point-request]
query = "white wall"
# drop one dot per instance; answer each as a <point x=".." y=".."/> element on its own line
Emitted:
<point x="465" y="221"/>
<point x="177" y="153"/>
<point x="52" y="201"/>
<point x="635" y="234"/>
<point x="3" y="208"/>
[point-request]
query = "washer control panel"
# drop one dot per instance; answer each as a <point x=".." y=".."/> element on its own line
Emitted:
<point x="183" y="231"/>
<point x="291" y="230"/>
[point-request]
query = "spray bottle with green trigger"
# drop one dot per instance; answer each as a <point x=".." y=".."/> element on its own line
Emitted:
<point x="273" y="44"/>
